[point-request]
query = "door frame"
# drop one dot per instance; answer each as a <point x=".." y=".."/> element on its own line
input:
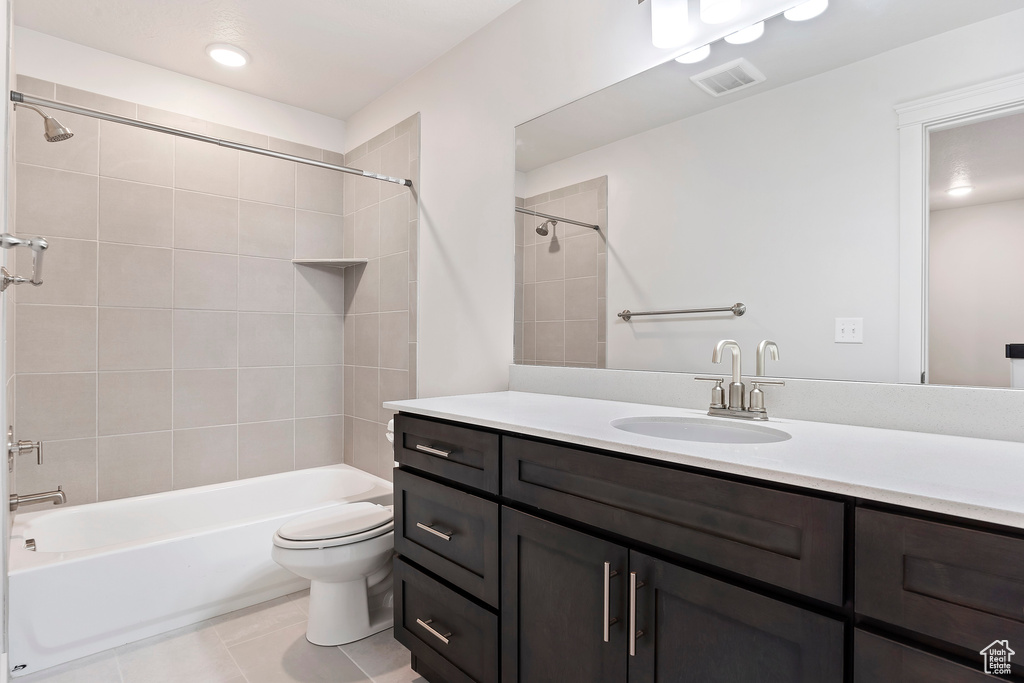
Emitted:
<point x="916" y="120"/>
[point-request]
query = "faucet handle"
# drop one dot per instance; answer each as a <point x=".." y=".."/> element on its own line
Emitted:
<point x="777" y="382"/>
<point x="757" y="396"/>
<point x="717" y="392"/>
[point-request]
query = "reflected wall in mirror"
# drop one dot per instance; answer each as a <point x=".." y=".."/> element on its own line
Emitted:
<point x="784" y="195"/>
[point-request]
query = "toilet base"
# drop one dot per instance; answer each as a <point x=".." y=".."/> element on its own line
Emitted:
<point x="341" y="613"/>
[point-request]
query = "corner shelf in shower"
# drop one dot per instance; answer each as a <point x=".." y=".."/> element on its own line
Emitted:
<point x="331" y="262"/>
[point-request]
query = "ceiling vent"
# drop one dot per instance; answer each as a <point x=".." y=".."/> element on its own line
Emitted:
<point x="730" y="77"/>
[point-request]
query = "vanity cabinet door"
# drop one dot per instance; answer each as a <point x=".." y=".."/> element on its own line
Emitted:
<point x="553" y="610"/>
<point x="696" y="629"/>
<point x="880" y="659"/>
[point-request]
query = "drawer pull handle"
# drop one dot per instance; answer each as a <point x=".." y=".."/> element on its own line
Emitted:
<point x="439" y="534"/>
<point x="426" y="624"/>
<point x="608" y="620"/>
<point x="633" y="633"/>
<point x="433" y="451"/>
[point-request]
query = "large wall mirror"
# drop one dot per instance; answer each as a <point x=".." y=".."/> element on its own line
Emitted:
<point x="784" y="195"/>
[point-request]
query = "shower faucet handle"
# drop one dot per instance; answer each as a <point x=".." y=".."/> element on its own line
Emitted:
<point x="20" y="447"/>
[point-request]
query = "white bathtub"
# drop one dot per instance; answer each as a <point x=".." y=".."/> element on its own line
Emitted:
<point x="111" y="573"/>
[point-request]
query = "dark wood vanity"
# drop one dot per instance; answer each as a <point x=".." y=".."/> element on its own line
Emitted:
<point x="525" y="560"/>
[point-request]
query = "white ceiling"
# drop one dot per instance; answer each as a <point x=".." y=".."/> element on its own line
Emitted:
<point x="849" y="31"/>
<point x="328" y="56"/>
<point x="988" y="155"/>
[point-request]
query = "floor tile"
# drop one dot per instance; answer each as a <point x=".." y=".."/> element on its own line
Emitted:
<point x="285" y="656"/>
<point x="301" y="600"/>
<point x="258" y="620"/>
<point x="98" y="668"/>
<point x="382" y="658"/>
<point x="195" y="654"/>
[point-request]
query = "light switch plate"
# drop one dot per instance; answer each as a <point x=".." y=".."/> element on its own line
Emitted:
<point x="849" y="330"/>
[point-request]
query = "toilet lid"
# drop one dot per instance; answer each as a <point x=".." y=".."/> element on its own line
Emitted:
<point x="337" y="521"/>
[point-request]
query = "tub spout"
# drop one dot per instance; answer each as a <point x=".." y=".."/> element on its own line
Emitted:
<point x="56" y="497"/>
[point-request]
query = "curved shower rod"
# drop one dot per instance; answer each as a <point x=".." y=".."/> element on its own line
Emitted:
<point x="22" y="98"/>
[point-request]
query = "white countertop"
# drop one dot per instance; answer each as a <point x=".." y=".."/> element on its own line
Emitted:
<point x="977" y="479"/>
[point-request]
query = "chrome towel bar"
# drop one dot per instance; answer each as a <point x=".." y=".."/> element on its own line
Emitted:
<point x="735" y="309"/>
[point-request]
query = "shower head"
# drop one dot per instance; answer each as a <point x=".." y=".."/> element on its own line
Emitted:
<point x="52" y="128"/>
<point x="542" y="229"/>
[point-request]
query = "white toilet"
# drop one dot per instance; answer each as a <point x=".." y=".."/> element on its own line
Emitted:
<point x="345" y="551"/>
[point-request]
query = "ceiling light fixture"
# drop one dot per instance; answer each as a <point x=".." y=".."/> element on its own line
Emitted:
<point x="228" y="55"/>
<point x="694" y="56"/>
<point x="746" y="35"/>
<point x="960" y="191"/>
<point x="669" y="22"/>
<point x="806" y="10"/>
<point x="718" y="11"/>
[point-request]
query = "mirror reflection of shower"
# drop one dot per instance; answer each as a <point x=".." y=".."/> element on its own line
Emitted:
<point x="53" y="130"/>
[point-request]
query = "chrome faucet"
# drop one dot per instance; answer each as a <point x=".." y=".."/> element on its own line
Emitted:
<point x="56" y="497"/>
<point x="737" y="405"/>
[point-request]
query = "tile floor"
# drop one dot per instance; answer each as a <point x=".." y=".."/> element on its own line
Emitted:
<point x="265" y="643"/>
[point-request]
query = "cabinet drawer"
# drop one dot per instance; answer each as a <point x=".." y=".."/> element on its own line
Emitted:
<point x="427" y="614"/>
<point x="879" y="659"/>
<point x="427" y="512"/>
<point x="459" y="454"/>
<point x="961" y="586"/>
<point x="785" y="539"/>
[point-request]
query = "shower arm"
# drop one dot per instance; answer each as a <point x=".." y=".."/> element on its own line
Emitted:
<point x="23" y="99"/>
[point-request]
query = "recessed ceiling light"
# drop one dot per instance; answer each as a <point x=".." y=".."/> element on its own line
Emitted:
<point x="960" y="191"/>
<point x="718" y="11"/>
<point x="694" y="56"/>
<point x="806" y="10"/>
<point x="746" y="35"/>
<point x="228" y="55"/>
<point x="668" y="22"/>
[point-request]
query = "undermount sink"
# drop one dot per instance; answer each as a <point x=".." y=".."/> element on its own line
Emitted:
<point x="700" y="429"/>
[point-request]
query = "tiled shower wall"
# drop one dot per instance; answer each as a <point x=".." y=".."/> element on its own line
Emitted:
<point x="380" y="323"/>
<point x="174" y="343"/>
<point x="561" y="278"/>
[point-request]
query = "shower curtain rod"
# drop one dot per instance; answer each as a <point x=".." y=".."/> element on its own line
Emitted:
<point x="21" y="98"/>
<point x="556" y="218"/>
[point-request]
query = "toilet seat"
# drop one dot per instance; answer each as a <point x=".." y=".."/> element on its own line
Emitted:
<point x="338" y="525"/>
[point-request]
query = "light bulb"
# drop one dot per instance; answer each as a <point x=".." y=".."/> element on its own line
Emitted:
<point x="669" y="22"/>
<point x="960" y="191"/>
<point x="228" y="55"/>
<point x="718" y="11"/>
<point x="746" y="35"/>
<point x="694" y="56"/>
<point x="806" y="10"/>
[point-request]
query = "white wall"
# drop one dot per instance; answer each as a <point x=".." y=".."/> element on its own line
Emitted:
<point x="537" y="56"/>
<point x="787" y="202"/>
<point x="59" y="61"/>
<point x="976" y="280"/>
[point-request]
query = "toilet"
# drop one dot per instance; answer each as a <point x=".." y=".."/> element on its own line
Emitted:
<point x="345" y="551"/>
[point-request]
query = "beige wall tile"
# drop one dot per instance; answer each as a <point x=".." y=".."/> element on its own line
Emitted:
<point x="581" y="299"/>
<point x="394" y="386"/>
<point x="205" y="281"/>
<point x="366" y="232"/>
<point x="80" y="153"/>
<point x="394" y="340"/>
<point x="319" y="441"/>
<point x="319" y="339"/>
<point x="319" y="390"/>
<point x="581" y="341"/>
<point x="364" y="445"/>
<point x="135" y="213"/>
<point x="550" y="341"/>
<point x="364" y="293"/>
<point x="171" y="119"/>
<point x="134" y="465"/>
<point x="208" y="455"/>
<point x="602" y="275"/>
<point x="530" y="302"/>
<point x="69" y="464"/>
<point x="550" y="300"/>
<point x="90" y="100"/>
<point x="70" y="274"/>
<point x="265" y="339"/>
<point x="56" y="406"/>
<point x="134" y="339"/>
<point x="203" y="167"/>
<point x="319" y="189"/>
<point x="138" y="277"/>
<point x="394" y="282"/>
<point x="204" y="398"/>
<point x="550" y="263"/>
<point x="266" y="394"/>
<point x="135" y="154"/>
<point x="205" y="339"/>
<point x="581" y="256"/>
<point x="205" y="222"/>
<point x="319" y="290"/>
<point x="37" y="212"/>
<point x="385" y="458"/>
<point x="266" y="285"/>
<point x="394" y="225"/>
<point x="36" y="86"/>
<point x="394" y="162"/>
<point x="580" y="207"/>
<point x="350" y="388"/>
<point x="318" y="235"/>
<point x="265" y="179"/>
<point x="367" y="386"/>
<point x="295" y="149"/>
<point x="222" y="132"/>
<point x="55" y="338"/>
<point x="266" y="448"/>
<point x="266" y="230"/>
<point x="602" y="319"/>
<point x="131" y="402"/>
<point x="366" y="335"/>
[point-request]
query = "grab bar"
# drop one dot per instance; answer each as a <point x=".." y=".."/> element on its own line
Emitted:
<point x="735" y="309"/>
<point x="38" y="245"/>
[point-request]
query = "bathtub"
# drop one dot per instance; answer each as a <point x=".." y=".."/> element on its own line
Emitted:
<point x="110" y="573"/>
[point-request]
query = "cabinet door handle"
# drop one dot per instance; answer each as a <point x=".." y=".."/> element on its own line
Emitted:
<point x="426" y="624"/>
<point x="609" y="621"/>
<point x="433" y="451"/>
<point x="445" y="536"/>
<point x="633" y="633"/>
